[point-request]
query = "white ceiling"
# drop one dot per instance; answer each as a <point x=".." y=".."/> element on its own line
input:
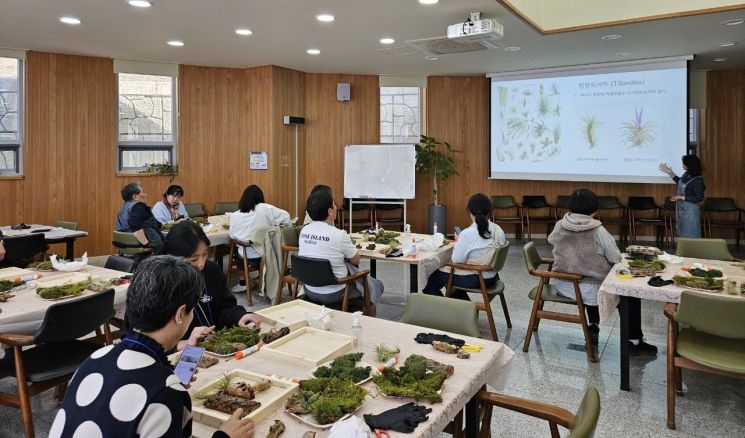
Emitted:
<point x="284" y="29"/>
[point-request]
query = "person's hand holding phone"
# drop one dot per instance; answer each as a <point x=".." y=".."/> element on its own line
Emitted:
<point x="187" y="364"/>
<point x="234" y="427"/>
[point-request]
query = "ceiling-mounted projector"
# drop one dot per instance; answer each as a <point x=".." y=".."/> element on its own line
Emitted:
<point x="476" y="30"/>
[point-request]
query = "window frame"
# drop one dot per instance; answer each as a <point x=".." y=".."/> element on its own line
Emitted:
<point x="421" y="114"/>
<point x="17" y="145"/>
<point x="135" y="146"/>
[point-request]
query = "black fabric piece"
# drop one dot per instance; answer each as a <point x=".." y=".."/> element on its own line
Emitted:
<point x="218" y="305"/>
<point x="658" y="281"/>
<point x="428" y="338"/>
<point x="593" y="314"/>
<point x="220" y="434"/>
<point x="404" y="418"/>
<point x="141" y="218"/>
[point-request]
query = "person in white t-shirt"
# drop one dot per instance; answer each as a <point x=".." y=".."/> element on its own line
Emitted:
<point x="252" y="215"/>
<point x="320" y="239"/>
<point x="476" y="245"/>
<point x="318" y="187"/>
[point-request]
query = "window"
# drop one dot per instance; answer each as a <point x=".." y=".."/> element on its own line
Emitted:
<point x="11" y="99"/>
<point x="146" y="122"/>
<point x="400" y="114"/>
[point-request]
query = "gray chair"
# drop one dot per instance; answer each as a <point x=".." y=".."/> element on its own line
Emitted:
<point x="67" y="225"/>
<point x="440" y="313"/>
<point x="225" y="207"/>
<point x="195" y="209"/>
<point x="710" y="249"/>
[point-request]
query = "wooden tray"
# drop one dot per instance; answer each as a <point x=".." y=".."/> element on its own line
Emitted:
<point x="309" y="345"/>
<point x="13" y="272"/>
<point x="62" y="279"/>
<point x="293" y="314"/>
<point x="271" y="400"/>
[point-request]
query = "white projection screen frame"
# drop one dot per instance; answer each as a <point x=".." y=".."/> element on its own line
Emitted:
<point x="611" y="122"/>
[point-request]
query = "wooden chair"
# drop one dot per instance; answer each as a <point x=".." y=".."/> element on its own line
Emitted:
<point x="547" y="292"/>
<point x="290" y="237"/>
<point x="242" y="267"/>
<point x="487" y="293"/>
<point x="56" y="351"/>
<point x="225" y="207"/>
<point x="713" y="340"/>
<point x="611" y="212"/>
<point x="580" y="425"/>
<point x="643" y="210"/>
<point x="711" y="249"/>
<point x="22" y="250"/>
<point x="536" y="210"/>
<point x="507" y="202"/>
<point x="196" y="209"/>
<point x="318" y="272"/>
<point x="128" y="245"/>
<point x="67" y="225"/>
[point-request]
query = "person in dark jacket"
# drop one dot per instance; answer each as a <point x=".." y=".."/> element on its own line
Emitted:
<point x="137" y="218"/>
<point x="690" y="193"/>
<point x="218" y="308"/>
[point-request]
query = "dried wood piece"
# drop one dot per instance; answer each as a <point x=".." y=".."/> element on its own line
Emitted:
<point x="276" y="429"/>
<point x="433" y="366"/>
<point x="207" y="361"/>
<point x="228" y="404"/>
<point x="261" y="386"/>
<point x="274" y="334"/>
<point x="309" y="434"/>
<point x="445" y="347"/>
<point x="463" y="355"/>
<point x="241" y="389"/>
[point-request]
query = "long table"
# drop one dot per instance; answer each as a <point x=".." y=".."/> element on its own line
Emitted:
<point x="615" y="293"/>
<point x="52" y="235"/>
<point x="492" y="365"/>
<point x="24" y="313"/>
<point x="420" y="267"/>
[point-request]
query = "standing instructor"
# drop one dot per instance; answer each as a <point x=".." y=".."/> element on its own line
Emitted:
<point x="690" y="192"/>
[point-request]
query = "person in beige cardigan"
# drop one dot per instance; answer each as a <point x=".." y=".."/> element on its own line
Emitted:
<point x="475" y="246"/>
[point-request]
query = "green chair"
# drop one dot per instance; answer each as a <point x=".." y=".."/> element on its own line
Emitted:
<point x="507" y="202"/>
<point x="487" y="293"/>
<point x="195" y="209"/>
<point x="713" y="340"/>
<point x="580" y="425"/>
<point x="711" y="249"/>
<point x="723" y="213"/>
<point x="440" y="313"/>
<point x="67" y="225"/>
<point x="547" y="292"/>
<point x="225" y="207"/>
<point x="290" y="244"/>
<point x="128" y="245"/>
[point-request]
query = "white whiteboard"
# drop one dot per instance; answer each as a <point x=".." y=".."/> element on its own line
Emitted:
<point x="379" y="171"/>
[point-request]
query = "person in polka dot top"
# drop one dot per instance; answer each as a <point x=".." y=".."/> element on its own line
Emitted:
<point x="129" y="389"/>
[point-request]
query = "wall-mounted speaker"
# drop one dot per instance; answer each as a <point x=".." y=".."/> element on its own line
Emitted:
<point x="343" y="92"/>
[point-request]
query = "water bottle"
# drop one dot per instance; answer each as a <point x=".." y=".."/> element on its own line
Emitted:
<point x="434" y="229"/>
<point x="357" y="331"/>
<point x="413" y="248"/>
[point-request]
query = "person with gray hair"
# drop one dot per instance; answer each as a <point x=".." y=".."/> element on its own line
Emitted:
<point x="130" y="389"/>
<point x="136" y="217"/>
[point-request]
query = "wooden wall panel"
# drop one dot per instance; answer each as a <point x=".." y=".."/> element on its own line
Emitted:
<point x="331" y="124"/>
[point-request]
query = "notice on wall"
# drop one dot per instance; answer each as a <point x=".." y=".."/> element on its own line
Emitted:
<point x="258" y="161"/>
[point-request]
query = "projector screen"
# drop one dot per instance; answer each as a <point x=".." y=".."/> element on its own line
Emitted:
<point x="614" y="122"/>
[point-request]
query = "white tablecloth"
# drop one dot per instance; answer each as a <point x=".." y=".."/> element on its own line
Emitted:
<point x="54" y="233"/>
<point x="492" y="365"/>
<point x="613" y="287"/>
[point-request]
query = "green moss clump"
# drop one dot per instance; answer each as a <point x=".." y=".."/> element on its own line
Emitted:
<point x="6" y="285"/>
<point x="344" y="367"/>
<point x="699" y="282"/>
<point x="327" y="399"/>
<point x="412" y="380"/>
<point x="68" y="290"/>
<point x="230" y="340"/>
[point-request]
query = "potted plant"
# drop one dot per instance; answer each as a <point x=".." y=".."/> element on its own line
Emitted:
<point x="167" y="169"/>
<point x="431" y="160"/>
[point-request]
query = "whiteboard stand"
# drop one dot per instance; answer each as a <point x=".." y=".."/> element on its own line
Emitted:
<point x="351" y="209"/>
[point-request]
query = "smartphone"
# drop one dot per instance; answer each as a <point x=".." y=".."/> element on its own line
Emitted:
<point x="187" y="363"/>
<point x="457" y="230"/>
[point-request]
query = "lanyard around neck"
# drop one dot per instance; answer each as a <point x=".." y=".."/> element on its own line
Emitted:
<point x="133" y="341"/>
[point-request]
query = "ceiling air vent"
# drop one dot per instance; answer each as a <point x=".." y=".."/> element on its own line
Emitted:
<point x="444" y="45"/>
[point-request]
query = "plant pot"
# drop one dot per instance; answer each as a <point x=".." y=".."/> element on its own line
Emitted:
<point x="438" y="214"/>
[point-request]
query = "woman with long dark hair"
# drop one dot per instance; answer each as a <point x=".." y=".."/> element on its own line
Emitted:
<point x="217" y="307"/>
<point x="690" y="192"/>
<point x="475" y="246"/>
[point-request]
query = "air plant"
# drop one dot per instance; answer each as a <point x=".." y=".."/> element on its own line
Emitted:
<point x="557" y="110"/>
<point x="538" y="129"/>
<point x="590" y="130"/>
<point x="540" y="89"/>
<point x="517" y="127"/>
<point x="557" y="134"/>
<point x="527" y="92"/>
<point x="554" y="89"/>
<point x="502" y="96"/>
<point x="545" y="142"/>
<point x="638" y="133"/>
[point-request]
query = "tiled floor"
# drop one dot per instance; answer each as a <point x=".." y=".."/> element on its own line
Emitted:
<point x="552" y="372"/>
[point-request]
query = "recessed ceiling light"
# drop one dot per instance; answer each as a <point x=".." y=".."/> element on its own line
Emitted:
<point x="623" y="54"/>
<point x="720" y="59"/>
<point x="428" y="2"/>
<point x="70" y="20"/>
<point x="326" y="18"/>
<point x="431" y="58"/>
<point x="733" y="22"/>
<point x="313" y="52"/>
<point x="175" y="43"/>
<point x="243" y="31"/>
<point x="512" y="49"/>
<point x="387" y="41"/>
<point x="611" y="37"/>
<point x="140" y="3"/>
<point x="727" y="44"/>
